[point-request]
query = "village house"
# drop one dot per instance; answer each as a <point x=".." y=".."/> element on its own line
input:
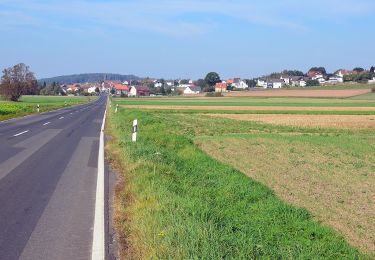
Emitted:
<point x="169" y="83"/>
<point x="221" y="87"/>
<point x="72" y="88"/>
<point x="192" y="90"/>
<point x="298" y="81"/>
<point x="185" y="85"/>
<point x="262" y="83"/>
<point x="286" y="79"/>
<point x="120" y="89"/>
<point x="239" y="84"/>
<point x="275" y="83"/>
<point x="158" y="84"/>
<point x="91" y="89"/>
<point x="341" y="72"/>
<point x="334" y="79"/>
<point x="139" y="91"/>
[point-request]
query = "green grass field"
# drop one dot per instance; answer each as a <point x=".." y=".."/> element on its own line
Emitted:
<point x="187" y="189"/>
<point x="28" y="105"/>
<point x="367" y="100"/>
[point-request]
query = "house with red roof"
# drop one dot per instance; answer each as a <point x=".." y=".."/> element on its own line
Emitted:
<point x="120" y="89"/>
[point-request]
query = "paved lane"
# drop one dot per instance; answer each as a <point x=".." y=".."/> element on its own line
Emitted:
<point x="48" y="172"/>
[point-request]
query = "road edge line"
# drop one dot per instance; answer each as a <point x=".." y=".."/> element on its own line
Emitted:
<point x="98" y="242"/>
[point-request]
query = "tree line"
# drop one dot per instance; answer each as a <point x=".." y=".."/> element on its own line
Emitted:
<point x="88" y="77"/>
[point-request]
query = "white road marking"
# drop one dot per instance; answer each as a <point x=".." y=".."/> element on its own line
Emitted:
<point x="71" y="113"/>
<point x="61" y="117"/>
<point x="47" y="123"/>
<point x="21" y="133"/>
<point x="98" y="242"/>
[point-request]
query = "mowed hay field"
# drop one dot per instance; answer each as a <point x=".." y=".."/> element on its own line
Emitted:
<point x="199" y="184"/>
<point x="323" y="121"/>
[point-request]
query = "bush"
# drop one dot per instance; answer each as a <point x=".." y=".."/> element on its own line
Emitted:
<point x="311" y="83"/>
<point x="373" y="90"/>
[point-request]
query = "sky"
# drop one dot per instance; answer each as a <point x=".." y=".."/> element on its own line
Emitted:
<point x="186" y="39"/>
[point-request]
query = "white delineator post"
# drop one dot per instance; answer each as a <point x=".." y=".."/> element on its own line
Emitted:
<point x="37" y="108"/>
<point x="116" y="108"/>
<point x="135" y="128"/>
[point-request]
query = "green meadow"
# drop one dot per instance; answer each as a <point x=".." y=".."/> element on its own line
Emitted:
<point x="201" y="187"/>
<point x="28" y="105"/>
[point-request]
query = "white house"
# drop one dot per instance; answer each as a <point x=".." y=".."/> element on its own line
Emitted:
<point x="192" y="90"/>
<point x="321" y="80"/>
<point x="239" y="84"/>
<point x="278" y="83"/>
<point x="335" y="79"/>
<point x="317" y="77"/>
<point x="91" y="89"/>
<point x="185" y="85"/>
<point x="158" y="84"/>
<point x="132" y="91"/>
<point x="286" y="79"/>
<point x="262" y="83"/>
<point x="298" y="81"/>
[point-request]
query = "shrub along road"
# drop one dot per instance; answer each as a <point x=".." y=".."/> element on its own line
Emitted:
<point x="48" y="173"/>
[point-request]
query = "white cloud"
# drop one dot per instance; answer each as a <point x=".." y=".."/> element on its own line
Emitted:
<point x="174" y="17"/>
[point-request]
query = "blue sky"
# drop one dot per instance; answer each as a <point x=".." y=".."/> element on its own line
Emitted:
<point x="186" y="39"/>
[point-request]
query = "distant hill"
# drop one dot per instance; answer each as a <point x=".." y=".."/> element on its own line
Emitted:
<point x="87" y="77"/>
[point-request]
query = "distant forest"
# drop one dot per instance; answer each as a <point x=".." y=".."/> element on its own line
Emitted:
<point x="87" y="77"/>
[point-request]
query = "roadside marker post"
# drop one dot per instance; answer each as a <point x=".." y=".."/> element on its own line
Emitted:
<point x="135" y="128"/>
<point x="116" y="108"/>
<point x="37" y="108"/>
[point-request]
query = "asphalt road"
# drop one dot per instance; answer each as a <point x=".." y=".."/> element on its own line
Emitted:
<point x="48" y="173"/>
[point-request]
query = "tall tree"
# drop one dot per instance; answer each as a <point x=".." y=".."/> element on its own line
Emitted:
<point x="211" y="79"/>
<point x="319" y="69"/>
<point x="251" y="83"/>
<point x="201" y="83"/>
<point x="359" y="69"/>
<point x="17" y="81"/>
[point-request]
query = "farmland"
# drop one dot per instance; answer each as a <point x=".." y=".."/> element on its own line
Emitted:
<point x="28" y="105"/>
<point x="204" y="182"/>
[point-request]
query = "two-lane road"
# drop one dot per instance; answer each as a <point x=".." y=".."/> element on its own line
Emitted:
<point x="48" y="175"/>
